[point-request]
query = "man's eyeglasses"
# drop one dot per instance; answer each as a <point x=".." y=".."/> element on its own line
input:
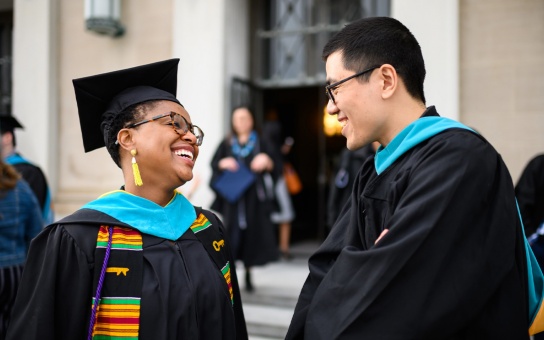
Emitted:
<point x="330" y="88"/>
<point x="178" y="122"/>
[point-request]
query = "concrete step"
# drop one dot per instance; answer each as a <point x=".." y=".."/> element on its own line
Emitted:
<point x="267" y="321"/>
<point x="255" y="337"/>
<point x="269" y="308"/>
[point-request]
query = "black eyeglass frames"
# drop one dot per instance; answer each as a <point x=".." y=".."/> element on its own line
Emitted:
<point x="333" y="86"/>
<point x="179" y="124"/>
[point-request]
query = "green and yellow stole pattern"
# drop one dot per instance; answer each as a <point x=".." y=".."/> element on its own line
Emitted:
<point x="118" y="313"/>
<point x="200" y="224"/>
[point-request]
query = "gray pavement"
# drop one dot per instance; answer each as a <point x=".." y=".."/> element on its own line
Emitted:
<point x="269" y="308"/>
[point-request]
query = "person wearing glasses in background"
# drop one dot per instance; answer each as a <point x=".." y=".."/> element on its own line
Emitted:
<point x="431" y="245"/>
<point x="142" y="261"/>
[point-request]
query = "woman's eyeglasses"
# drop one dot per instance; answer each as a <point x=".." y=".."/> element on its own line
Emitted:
<point x="178" y="122"/>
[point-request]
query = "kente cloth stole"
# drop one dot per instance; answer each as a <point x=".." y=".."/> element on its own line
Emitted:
<point x="214" y="244"/>
<point x="117" y="282"/>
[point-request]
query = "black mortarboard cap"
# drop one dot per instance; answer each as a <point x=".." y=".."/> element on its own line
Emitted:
<point x="9" y="123"/>
<point x="103" y="96"/>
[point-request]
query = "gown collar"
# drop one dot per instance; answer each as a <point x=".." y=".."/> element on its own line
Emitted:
<point x="169" y="222"/>
<point x="429" y="125"/>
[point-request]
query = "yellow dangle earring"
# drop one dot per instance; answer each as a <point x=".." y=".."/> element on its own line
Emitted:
<point x="135" y="169"/>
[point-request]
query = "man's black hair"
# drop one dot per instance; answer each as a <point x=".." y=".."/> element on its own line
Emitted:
<point x="377" y="41"/>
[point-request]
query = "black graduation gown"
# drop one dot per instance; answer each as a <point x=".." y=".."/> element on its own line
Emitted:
<point x="452" y="265"/>
<point x="184" y="295"/>
<point x="530" y="194"/>
<point x="256" y="245"/>
<point x="343" y="179"/>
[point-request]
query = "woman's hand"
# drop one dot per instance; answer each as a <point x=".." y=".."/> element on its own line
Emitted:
<point x="261" y="163"/>
<point x="228" y="163"/>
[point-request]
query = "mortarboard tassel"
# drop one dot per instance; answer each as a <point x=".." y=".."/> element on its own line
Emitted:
<point x="135" y="169"/>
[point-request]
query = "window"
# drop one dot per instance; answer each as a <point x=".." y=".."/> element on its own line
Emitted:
<point x="291" y="35"/>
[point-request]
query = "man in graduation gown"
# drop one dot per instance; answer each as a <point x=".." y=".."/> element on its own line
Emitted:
<point x="430" y="246"/>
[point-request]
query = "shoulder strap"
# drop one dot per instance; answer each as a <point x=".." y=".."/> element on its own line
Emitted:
<point x="214" y="243"/>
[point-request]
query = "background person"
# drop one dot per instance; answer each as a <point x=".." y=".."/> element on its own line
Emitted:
<point x="20" y="222"/>
<point x="285" y="213"/>
<point x="248" y="218"/>
<point x="142" y="261"/>
<point x="431" y="244"/>
<point x="31" y="173"/>
<point x="530" y="194"/>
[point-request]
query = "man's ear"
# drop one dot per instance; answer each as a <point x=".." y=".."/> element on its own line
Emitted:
<point x="125" y="139"/>
<point x="390" y="80"/>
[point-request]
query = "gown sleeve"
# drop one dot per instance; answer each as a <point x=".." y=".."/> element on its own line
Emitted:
<point x="54" y="296"/>
<point x="447" y="261"/>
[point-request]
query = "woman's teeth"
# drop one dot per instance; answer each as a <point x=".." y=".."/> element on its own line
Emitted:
<point x="184" y="153"/>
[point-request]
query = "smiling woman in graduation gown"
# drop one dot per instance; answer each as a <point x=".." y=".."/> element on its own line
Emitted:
<point x="141" y="262"/>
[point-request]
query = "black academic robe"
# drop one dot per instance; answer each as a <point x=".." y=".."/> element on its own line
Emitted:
<point x="343" y="179"/>
<point x="452" y="265"/>
<point x="255" y="245"/>
<point x="184" y="295"/>
<point x="530" y="194"/>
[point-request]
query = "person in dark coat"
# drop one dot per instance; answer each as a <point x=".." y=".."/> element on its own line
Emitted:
<point x="530" y="194"/>
<point x="31" y="173"/>
<point x="20" y="222"/>
<point x="430" y="245"/>
<point x="344" y="176"/>
<point x="247" y="218"/>
<point x="140" y="262"/>
<point x="285" y="214"/>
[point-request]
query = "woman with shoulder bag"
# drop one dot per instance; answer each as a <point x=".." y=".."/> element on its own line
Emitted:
<point x="248" y="217"/>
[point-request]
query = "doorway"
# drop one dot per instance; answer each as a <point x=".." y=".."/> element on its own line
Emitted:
<point x="300" y="111"/>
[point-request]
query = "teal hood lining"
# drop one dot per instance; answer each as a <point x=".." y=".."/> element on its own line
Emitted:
<point x="415" y="133"/>
<point x="169" y="222"/>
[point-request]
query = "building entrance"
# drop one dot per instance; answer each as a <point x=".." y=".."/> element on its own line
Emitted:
<point x="300" y="111"/>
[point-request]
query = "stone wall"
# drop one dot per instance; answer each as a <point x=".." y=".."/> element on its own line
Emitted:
<point x="502" y="75"/>
<point x="148" y="38"/>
